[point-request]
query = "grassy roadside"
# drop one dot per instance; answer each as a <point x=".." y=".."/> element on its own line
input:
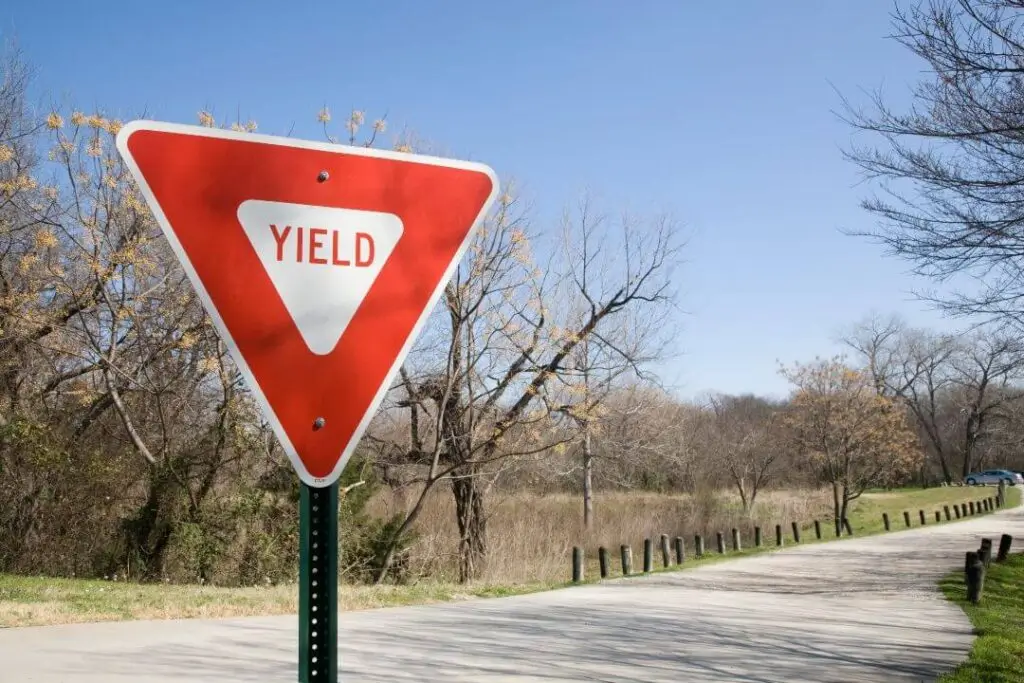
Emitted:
<point x="33" y="601"/>
<point x="997" y="655"/>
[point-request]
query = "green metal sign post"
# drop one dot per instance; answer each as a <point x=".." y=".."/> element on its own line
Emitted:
<point x="318" y="584"/>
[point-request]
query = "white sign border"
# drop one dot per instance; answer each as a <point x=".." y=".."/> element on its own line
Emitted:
<point x="200" y="131"/>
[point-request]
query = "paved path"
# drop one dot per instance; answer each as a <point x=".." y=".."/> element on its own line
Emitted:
<point x="854" y="611"/>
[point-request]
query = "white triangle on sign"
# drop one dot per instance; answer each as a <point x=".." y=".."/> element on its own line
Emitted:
<point x="321" y="260"/>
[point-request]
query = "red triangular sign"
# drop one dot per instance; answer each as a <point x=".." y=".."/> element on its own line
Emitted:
<point x="318" y="263"/>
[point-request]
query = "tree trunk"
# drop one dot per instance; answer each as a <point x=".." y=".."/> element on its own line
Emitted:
<point x="741" y="487"/>
<point x="837" y="508"/>
<point x="845" y="505"/>
<point x="588" y="478"/>
<point x="469" y="512"/>
<point x="148" y="532"/>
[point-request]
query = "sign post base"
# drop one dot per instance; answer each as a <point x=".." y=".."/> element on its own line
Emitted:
<point x="318" y="584"/>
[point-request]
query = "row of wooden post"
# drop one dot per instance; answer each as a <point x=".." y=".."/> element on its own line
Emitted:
<point x="977" y="562"/>
<point x="961" y="510"/>
<point x="626" y="552"/>
<point x="678" y="546"/>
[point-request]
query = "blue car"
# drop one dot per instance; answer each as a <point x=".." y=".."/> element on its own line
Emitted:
<point x="993" y="477"/>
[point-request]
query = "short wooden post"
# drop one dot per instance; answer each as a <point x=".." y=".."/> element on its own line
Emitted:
<point x="945" y="509"/>
<point x="963" y="509"/>
<point x="985" y="552"/>
<point x="1001" y="496"/>
<point x="627" y="560"/>
<point x="796" y="532"/>
<point x="680" y="556"/>
<point x="577" y="564"/>
<point x="906" y="518"/>
<point x="698" y="545"/>
<point x="648" y="556"/>
<point x="757" y="537"/>
<point x="817" y="529"/>
<point x="885" y="521"/>
<point x="846" y="525"/>
<point x="921" y="514"/>
<point x="1005" y="541"/>
<point x="975" y="578"/>
<point x="666" y="553"/>
<point x="778" y="535"/>
<point x="602" y="558"/>
<point x="720" y="542"/>
<point x="956" y="509"/>
<point x="736" y="546"/>
<point x="970" y="507"/>
<point x="970" y="557"/>
<point x="938" y="516"/>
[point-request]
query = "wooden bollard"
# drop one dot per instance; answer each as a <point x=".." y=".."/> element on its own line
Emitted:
<point x="906" y="518"/>
<point x="963" y="509"/>
<point x="602" y="559"/>
<point x="1001" y="494"/>
<point x="778" y="535"/>
<point x="970" y="507"/>
<point x="577" y="564"/>
<point x="975" y="578"/>
<point x="970" y="557"/>
<point x="796" y="532"/>
<point x="757" y="537"/>
<point x="921" y="514"/>
<point x="817" y="529"/>
<point x="627" y="560"/>
<point x="720" y="542"/>
<point x="956" y="509"/>
<point x="985" y="552"/>
<point x="698" y="545"/>
<point x="680" y="556"/>
<point x="648" y="556"/>
<point x="1005" y="541"/>
<point x="945" y="509"/>
<point x="666" y="552"/>
<point x="885" y="521"/>
<point x="938" y="516"/>
<point x="736" y="540"/>
<point x="846" y="525"/>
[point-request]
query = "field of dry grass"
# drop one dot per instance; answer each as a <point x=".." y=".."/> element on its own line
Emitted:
<point x="530" y="536"/>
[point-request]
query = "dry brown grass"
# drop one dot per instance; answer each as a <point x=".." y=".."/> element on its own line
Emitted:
<point x="530" y="536"/>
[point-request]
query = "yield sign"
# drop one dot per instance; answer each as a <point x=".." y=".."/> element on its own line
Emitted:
<point x="318" y="264"/>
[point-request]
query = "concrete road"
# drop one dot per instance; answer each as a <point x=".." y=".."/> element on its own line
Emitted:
<point x="845" y="612"/>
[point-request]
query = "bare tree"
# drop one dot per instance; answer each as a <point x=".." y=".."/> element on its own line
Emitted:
<point x="746" y="442"/>
<point x="619" y="349"/>
<point x="949" y="169"/>
<point x="508" y="330"/>
<point x="987" y="373"/>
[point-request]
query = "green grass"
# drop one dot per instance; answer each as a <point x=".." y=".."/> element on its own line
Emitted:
<point x="998" y="653"/>
<point x="39" y="601"/>
<point x="35" y="601"/>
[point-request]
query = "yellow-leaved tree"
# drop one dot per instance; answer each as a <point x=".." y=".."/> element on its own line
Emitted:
<point x="846" y="433"/>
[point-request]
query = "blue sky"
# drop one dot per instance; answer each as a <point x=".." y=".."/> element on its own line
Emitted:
<point x="720" y="113"/>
